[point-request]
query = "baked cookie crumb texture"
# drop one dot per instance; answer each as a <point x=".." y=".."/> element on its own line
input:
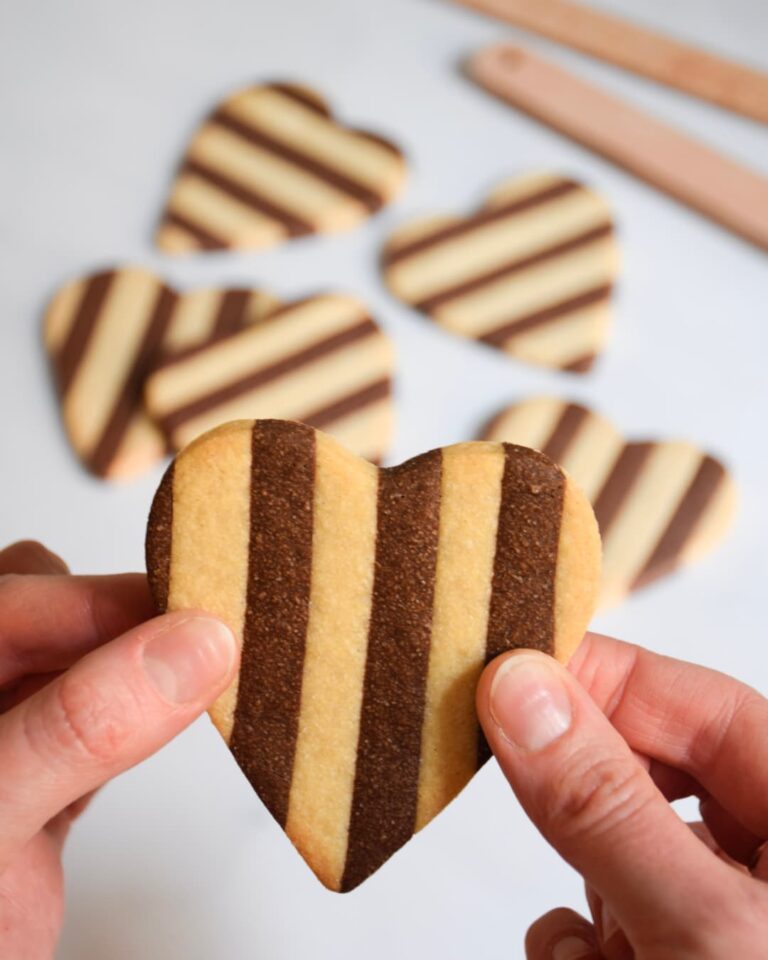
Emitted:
<point x="367" y="602"/>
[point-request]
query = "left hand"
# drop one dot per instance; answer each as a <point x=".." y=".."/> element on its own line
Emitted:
<point x="78" y="707"/>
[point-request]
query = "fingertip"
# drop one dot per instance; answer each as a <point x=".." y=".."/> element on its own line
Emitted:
<point x="525" y="701"/>
<point x="561" y="934"/>
<point x="117" y="602"/>
<point x="485" y="685"/>
<point x="30" y="557"/>
<point x="189" y="657"/>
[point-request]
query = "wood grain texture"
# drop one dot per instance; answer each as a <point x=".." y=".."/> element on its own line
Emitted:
<point x="697" y="72"/>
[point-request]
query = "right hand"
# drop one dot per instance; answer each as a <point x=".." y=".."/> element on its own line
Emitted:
<point x="595" y="753"/>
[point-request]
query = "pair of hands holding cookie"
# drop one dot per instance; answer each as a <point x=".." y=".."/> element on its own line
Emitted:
<point x="90" y="686"/>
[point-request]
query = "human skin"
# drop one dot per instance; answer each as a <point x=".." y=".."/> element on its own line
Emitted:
<point x="90" y="684"/>
<point x="595" y="753"/>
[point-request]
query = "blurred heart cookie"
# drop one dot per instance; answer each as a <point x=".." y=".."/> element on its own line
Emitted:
<point x="367" y="602"/>
<point x="659" y="504"/>
<point x="104" y="332"/>
<point x="322" y="360"/>
<point x="271" y="163"/>
<point x="531" y="273"/>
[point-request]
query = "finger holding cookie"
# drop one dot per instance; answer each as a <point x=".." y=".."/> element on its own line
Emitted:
<point x="580" y="747"/>
<point x="88" y="688"/>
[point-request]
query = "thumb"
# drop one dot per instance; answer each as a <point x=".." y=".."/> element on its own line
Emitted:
<point x="114" y="708"/>
<point x="580" y="784"/>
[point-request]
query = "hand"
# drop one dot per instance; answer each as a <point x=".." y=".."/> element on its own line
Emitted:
<point x="594" y="753"/>
<point x="76" y="709"/>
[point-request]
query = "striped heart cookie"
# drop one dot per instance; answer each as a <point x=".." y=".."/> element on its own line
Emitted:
<point x="104" y="332"/>
<point x="531" y="273"/>
<point x="321" y="360"/>
<point x="271" y="163"/>
<point x="659" y="505"/>
<point x="366" y="602"/>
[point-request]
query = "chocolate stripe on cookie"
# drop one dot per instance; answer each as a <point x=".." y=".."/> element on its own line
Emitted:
<point x="580" y="364"/>
<point x="658" y="504"/>
<point x="295" y="226"/>
<point x="280" y="553"/>
<point x="128" y="406"/>
<point x="505" y="332"/>
<point x="203" y="237"/>
<point x="258" y="378"/>
<point x="324" y="417"/>
<point x="318" y="361"/>
<point x="231" y="314"/>
<point x="565" y="432"/>
<point x="395" y="253"/>
<point x="302" y="96"/>
<point x="203" y="317"/>
<point x="514" y="266"/>
<point x="619" y="484"/>
<point x="159" y="546"/>
<point x="522" y="604"/>
<point x="83" y="323"/>
<point x="540" y="254"/>
<point x="371" y="200"/>
<point x="271" y="163"/>
<point x="695" y="502"/>
<point x="384" y="801"/>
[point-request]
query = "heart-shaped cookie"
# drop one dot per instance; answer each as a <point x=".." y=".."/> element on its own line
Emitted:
<point x="321" y="360"/>
<point x="659" y="504"/>
<point x="271" y="163"/>
<point x="367" y="602"/>
<point x="531" y="273"/>
<point x="104" y="332"/>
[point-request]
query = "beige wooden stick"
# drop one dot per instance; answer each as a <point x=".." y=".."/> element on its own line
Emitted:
<point x="733" y="195"/>
<point x="701" y="74"/>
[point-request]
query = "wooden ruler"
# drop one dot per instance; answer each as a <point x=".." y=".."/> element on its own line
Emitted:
<point x="730" y="85"/>
<point x="722" y="189"/>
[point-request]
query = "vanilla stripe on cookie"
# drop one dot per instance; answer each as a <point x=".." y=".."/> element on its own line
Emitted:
<point x="322" y="361"/>
<point x="344" y="540"/>
<point x="269" y="164"/>
<point x="367" y="602"/>
<point x="220" y="540"/>
<point x="470" y="499"/>
<point x="531" y="273"/>
<point x="105" y="333"/>
<point x="658" y="504"/>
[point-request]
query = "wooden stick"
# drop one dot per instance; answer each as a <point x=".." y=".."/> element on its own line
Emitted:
<point x="733" y="195"/>
<point x="728" y="84"/>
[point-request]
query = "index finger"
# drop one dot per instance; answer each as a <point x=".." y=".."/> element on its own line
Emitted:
<point x="30" y="556"/>
<point x="49" y="622"/>
<point x="689" y="717"/>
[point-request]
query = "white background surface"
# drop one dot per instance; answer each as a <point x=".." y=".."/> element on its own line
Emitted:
<point x="178" y="860"/>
